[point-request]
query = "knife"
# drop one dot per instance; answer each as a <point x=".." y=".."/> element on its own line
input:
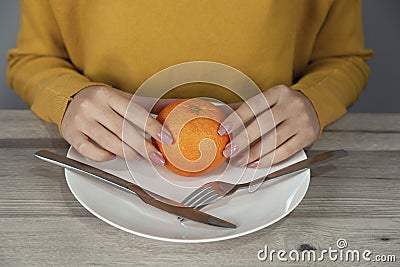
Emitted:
<point x="308" y="163"/>
<point x="146" y="196"/>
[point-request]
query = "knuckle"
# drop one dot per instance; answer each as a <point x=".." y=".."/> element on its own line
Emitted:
<point x="140" y="146"/>
<point x="84" y="104"/>
<point x="102" y="91"/>
<point x="282" y="88"/>
<point x="152" y="124"/>
<point x="298" y="103"/>
<point x="98" y="93"/>
<point x="81" y="146"/>
<point x="302" y="120"/>
<point x="112" y="96"/>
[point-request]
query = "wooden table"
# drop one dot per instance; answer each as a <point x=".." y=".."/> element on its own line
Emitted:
<point x="42" y="224"/>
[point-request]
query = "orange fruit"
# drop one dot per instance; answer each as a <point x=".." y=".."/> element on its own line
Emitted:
<point x="197" y="147"/>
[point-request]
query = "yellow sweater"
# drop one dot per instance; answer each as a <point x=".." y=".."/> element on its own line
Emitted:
<point x="314" y="46"/>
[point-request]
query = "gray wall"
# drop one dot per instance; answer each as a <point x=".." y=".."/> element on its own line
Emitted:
<point x="382" y="33"/>
<point x="9" y="20"/>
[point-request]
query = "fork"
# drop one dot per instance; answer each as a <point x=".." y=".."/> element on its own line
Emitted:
<point x="213" y="191"/>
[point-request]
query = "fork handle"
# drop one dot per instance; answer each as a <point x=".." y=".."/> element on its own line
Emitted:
<point x="299" y="166"/>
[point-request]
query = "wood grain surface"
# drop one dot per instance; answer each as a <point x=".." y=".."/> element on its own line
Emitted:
<point x="356" y="198"/>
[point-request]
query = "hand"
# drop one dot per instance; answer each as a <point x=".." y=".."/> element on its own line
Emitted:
<point x="93" y="124"/>
<point x="290" y="115"/>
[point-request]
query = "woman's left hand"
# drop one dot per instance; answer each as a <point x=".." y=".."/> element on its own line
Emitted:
<point x="279" y="122"/>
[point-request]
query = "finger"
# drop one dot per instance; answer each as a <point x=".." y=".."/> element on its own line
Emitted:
<point x="134" y="145"/>
<point x="248" y="110"/>
<point x="262" y="125"/>
<point x="269" y="143"/>
<point x="108" y="140"/>
<point x="114" y="123"/>
<point x="103" y="137"/>
<point x="136" y="141"/>
<point x="265" y="145"/>
<point x="111" y="120"/>
<point x="86" y="148"/>
<point x="287" y="149"/>
<point x="130" y="153"/>
<point x="141" y="118"/>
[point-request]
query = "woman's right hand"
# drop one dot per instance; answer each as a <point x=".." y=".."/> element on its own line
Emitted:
<point x="93" y="125"/>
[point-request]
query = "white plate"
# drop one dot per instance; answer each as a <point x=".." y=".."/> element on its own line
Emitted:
<point x="249" y="211"/>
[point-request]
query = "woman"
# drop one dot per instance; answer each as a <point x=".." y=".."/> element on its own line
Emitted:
<point x="77" y="64"/>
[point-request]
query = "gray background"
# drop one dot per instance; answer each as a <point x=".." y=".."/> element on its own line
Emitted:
<point x="382" y="34"/>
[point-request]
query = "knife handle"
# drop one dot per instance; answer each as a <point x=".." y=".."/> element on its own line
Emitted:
<point x="94" y="172"/>
<point x="309" y="163"/>
<point x="86" y="169"/>
<point x="299" y="166"/>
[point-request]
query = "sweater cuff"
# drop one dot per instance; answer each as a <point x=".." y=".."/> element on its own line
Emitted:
<point x="51" y="104"/>
<point x="325" y="104"/>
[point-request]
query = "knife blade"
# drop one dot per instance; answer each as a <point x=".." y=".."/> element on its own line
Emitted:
<point x="146" y="196"/>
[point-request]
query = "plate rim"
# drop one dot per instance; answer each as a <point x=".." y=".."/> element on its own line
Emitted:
<point x="175" y="240"/>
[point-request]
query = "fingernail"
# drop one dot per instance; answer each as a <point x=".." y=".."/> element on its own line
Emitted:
<point x="225" y="128"/>
<point x="231" y="149"/>
<point x="165" y="137"/>
<point x="254" y="164"/>
<point x="112" y="156"/>
<point x="239" y="161"/>
<point x="156" y="158"/>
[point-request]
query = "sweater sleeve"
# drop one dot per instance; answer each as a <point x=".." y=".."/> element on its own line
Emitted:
<point x="39" y="69"/>
<point x="337" y="71"/>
